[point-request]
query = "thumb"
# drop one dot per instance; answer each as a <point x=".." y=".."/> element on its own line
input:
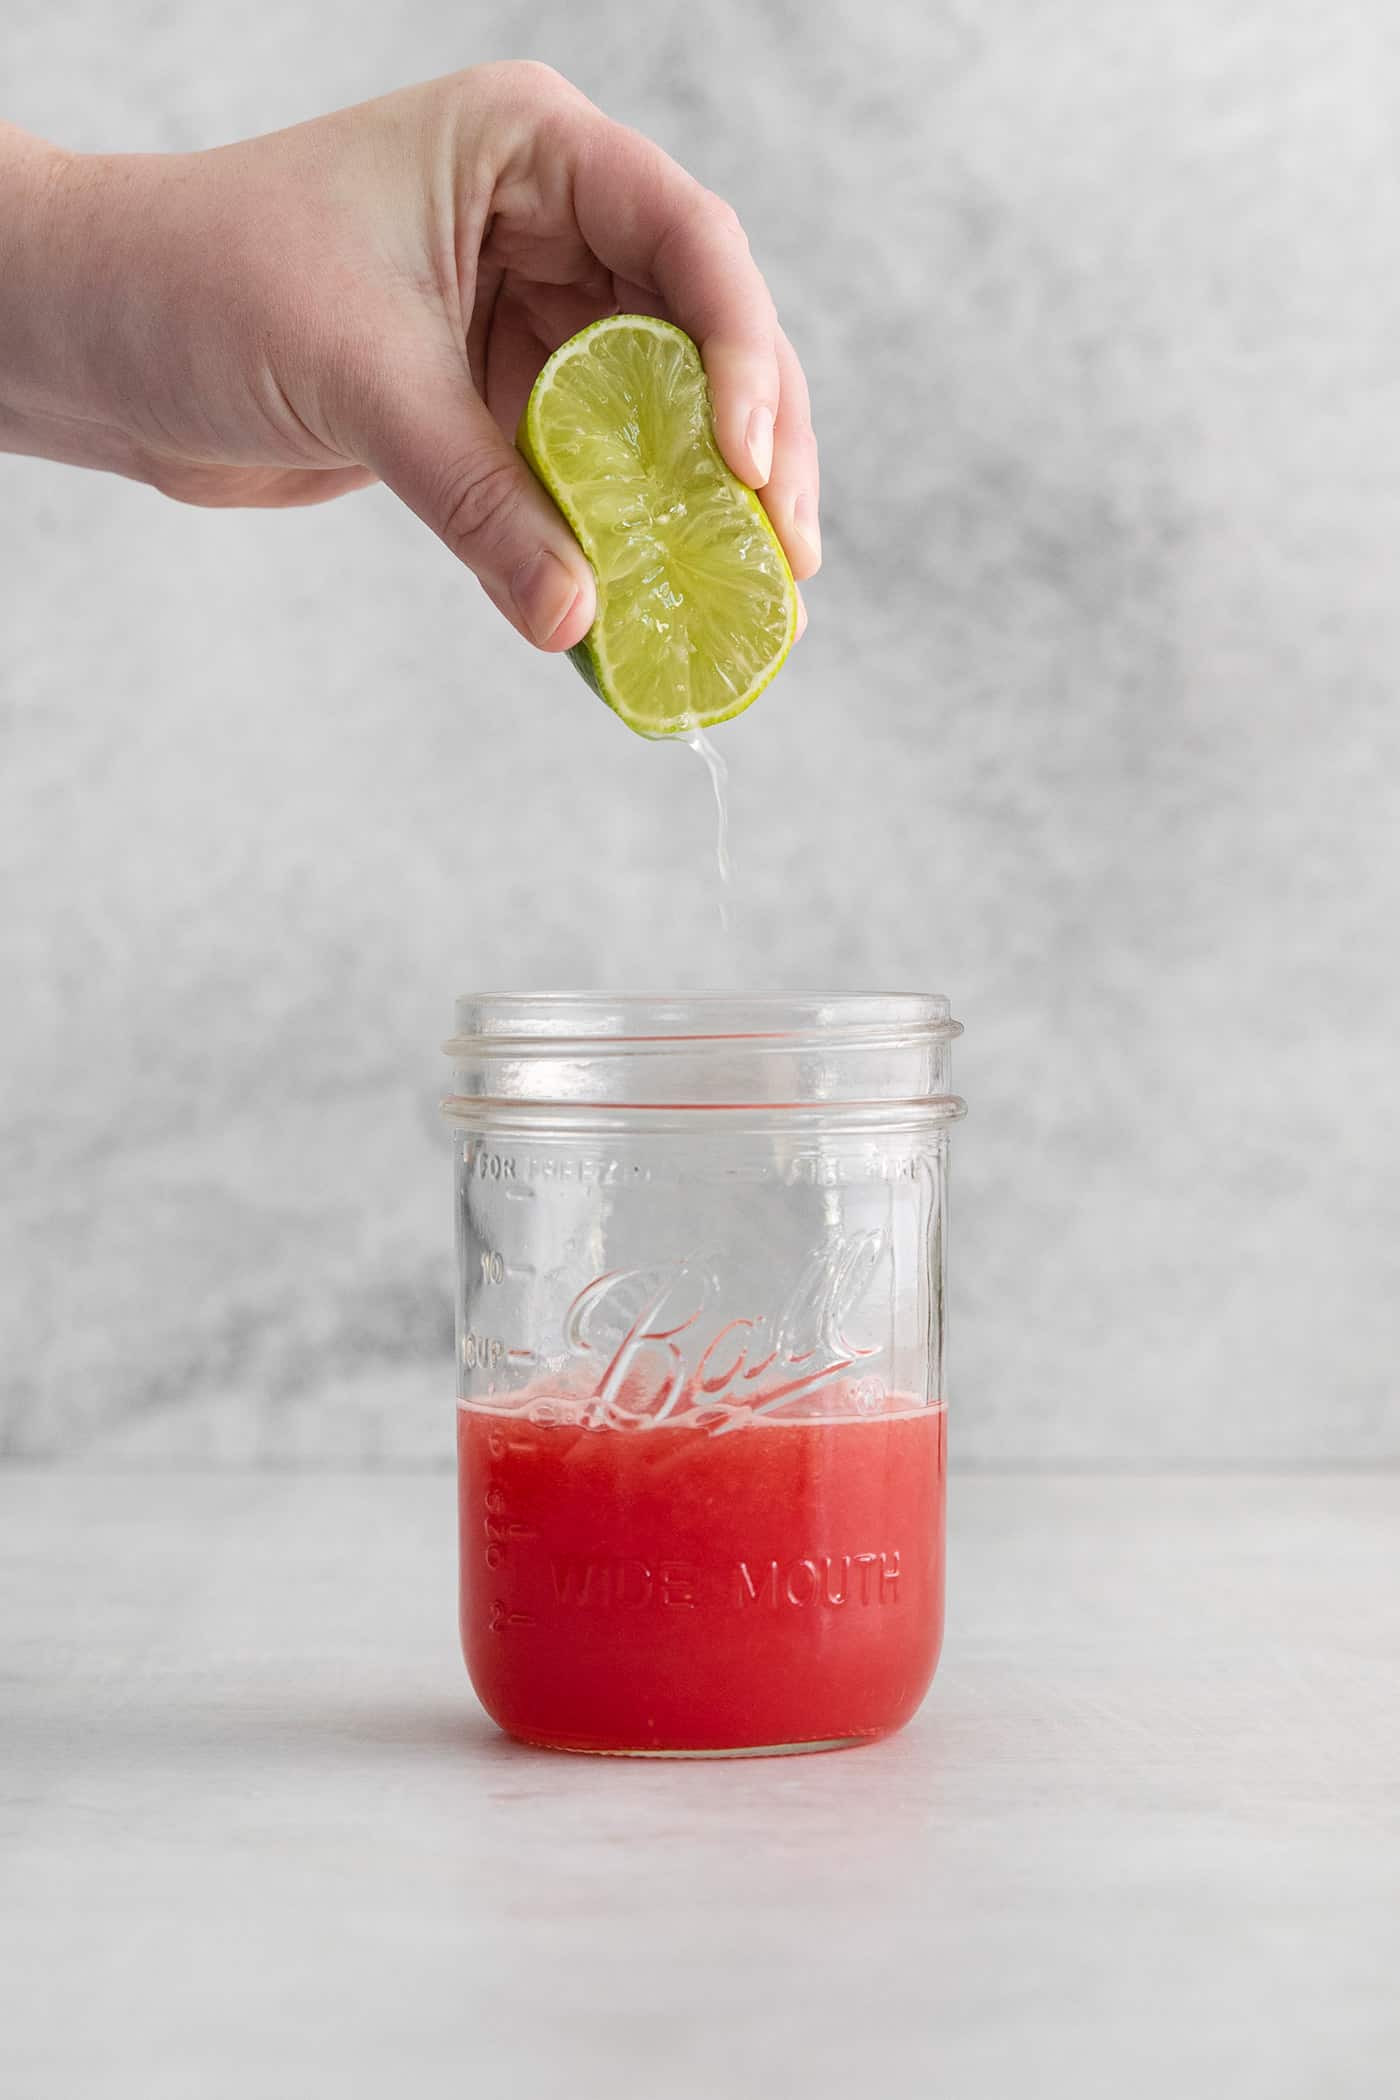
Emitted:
<point x="439" y="449"/>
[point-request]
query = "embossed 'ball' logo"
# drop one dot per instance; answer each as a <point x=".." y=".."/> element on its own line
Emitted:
<point x="662" y="1352"/>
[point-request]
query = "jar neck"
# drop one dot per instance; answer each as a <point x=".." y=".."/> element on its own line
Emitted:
<point x="877" y="1054"/>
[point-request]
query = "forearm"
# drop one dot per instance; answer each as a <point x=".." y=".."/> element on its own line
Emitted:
<point x="58" y="262"/>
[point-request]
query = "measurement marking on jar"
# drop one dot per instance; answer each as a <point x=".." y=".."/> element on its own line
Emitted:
<point x="501" y="1534"/>
<point x="498" y="1536"/>
<point x="518" y="1447"/>
<point x="502" y="1616"/>
<point x="502" y="1531"/>
<point x="523" y="1356"/>
<point x="493" y="1266"/>
<point x="482" y="1352"/>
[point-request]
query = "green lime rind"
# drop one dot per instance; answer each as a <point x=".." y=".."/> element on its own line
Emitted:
<point x="581" y="657"/>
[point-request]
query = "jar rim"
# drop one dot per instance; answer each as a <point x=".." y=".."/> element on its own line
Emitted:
<point x="692" y="1054"/>
<point x="551" y="1024"/>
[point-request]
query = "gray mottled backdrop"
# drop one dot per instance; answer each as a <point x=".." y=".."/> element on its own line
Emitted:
<point x="1096" y="728"/>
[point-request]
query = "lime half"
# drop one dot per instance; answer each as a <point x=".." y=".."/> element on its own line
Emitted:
<point x="696" y="604"/>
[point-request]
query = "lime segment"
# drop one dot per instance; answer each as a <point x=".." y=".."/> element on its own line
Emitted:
<point x="696" y="604"/>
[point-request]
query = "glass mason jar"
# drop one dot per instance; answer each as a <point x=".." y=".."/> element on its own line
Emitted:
<point x="700" y="1319"/>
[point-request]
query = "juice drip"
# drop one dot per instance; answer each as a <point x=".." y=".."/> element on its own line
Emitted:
<point x="718" y="770"/>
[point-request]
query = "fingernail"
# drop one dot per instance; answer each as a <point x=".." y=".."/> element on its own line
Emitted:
<point x="759" y="440"/>
<point x="804" y="524"/>
<point x="544" y="592"/>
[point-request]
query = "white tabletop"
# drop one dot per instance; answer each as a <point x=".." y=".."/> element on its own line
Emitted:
<point x="1144" y="1838"/>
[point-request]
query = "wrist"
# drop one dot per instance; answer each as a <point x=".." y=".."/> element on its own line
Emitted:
<point x="61" y="264"/>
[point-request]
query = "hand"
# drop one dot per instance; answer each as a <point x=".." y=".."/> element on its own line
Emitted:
<point x="372" y="296"/>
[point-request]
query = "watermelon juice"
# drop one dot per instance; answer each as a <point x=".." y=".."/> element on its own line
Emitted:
<point x="670" y="1588"/>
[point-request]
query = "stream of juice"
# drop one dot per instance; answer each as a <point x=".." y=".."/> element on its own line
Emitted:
<point x="662" y="1588"/>
<point x="718" y="770"/>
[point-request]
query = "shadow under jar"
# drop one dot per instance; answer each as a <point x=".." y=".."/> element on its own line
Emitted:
<point x="701" y="1426"/>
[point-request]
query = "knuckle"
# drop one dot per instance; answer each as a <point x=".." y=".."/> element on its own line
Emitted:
<point x="797" y="401"/>
<point x="537" y="74"/>
<point x="480" y="501"/>
<point x="529" y="82"/>
<point x="723" y="218"/>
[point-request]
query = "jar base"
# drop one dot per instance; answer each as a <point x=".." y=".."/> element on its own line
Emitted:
<point x="803" y="1749"/>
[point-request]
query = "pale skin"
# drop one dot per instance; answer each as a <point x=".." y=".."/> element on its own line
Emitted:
<point x="370" y="297"/>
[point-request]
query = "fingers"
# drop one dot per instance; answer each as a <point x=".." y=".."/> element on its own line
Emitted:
<point x="439" y="449"/>
<point x="654" y="225"/>
<point x="673" y="247"/>
<point x="791" y="495"/>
